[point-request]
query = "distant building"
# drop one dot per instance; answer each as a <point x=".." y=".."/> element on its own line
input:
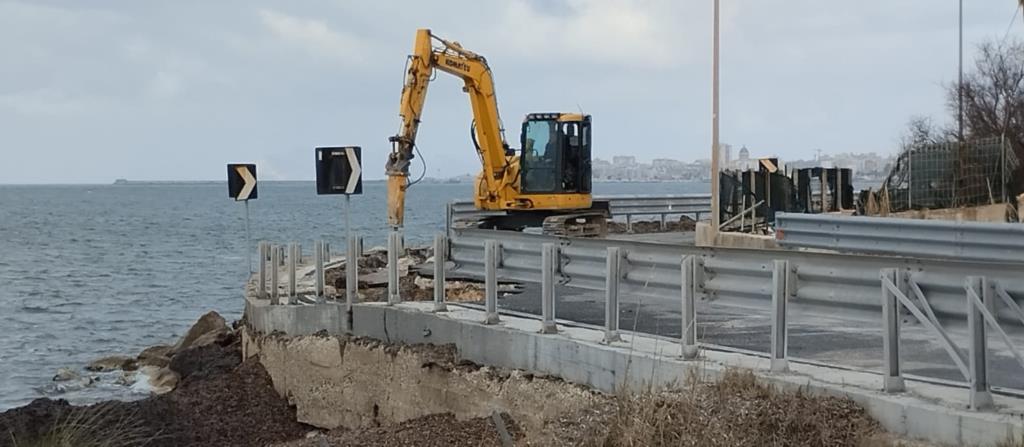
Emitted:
<point x="725" y="154"/>
<point x="624" y="160"/>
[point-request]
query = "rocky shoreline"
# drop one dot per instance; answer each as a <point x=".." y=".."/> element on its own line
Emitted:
<point x="203" y="395"/>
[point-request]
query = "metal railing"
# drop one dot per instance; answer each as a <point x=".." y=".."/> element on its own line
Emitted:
<point x="975" y="241"/>
<point x="988" y="296"/>
<point x="627" y="206"/>
<point x="943" y="291"/>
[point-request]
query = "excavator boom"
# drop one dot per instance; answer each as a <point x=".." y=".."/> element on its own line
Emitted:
<point x="451" y="58"/>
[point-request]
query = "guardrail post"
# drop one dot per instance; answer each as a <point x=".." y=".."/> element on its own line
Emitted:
<point x="629" y="223"/>
<point x="275" y="260"/>
<point x="981" y="396"/>
<point x="448" y="219"/>
<point x="611" y="304"/>
<point x="351" y="272"/>
<point x="393" y="279"/>
<point x="780" y="334"/>
<point x="792" y="278"/>
<point x="548" y="254"/>
<point x="262" y="287"/>
<point x="892" y="381"/>
<point x="292" y="249"/>
<point x="440" y="255"/>
<point x="662" y="222"/>
<point x="698" y="278"/>
<point x="491" y="281"/>
<point x="689" y="333"/>
<point x="318" y="260"/>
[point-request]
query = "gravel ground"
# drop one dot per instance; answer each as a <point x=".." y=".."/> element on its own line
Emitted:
<point x="438" y="430"/>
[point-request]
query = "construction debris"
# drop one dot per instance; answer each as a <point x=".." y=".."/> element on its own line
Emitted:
<point x="413" y="285"/>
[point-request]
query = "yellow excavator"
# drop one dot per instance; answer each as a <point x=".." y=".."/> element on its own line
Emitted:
<point x="547" y="184"/>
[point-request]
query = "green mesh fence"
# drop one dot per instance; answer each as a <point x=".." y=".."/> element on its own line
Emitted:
<point x="951" y="174"/>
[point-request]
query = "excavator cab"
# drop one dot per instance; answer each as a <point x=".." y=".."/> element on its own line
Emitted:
<point x="555" y="156"/>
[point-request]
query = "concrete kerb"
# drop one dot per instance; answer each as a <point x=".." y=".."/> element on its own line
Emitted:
<point x="928" y="411"/>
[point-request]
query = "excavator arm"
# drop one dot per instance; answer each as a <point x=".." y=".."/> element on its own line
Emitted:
<point x="448" y="57"/>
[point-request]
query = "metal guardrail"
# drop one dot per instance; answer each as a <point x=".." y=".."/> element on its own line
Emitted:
<point x="975" y="241"/>
<point x="734" y="275"/>
<point x="936" y="292"/>
<point x="626" y="206"/>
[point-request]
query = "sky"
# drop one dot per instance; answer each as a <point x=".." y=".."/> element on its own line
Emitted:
<point x="91" y="91"/>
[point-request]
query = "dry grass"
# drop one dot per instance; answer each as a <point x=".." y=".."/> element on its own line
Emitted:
<point x="95" y="426"/>
<point x="736" y="411"/>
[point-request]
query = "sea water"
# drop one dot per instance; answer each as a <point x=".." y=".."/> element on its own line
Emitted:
<point x="93" y="270"/>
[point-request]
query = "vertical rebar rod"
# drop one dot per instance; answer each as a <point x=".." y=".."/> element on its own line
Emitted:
<point x="351" y="273"/>
<point x="318" y="259"/>
<point x="611" y="303"/>
<point x="491" y="281"/>
<point x="981" y="396"/>
<point x="753" y="200"/>
<point x="440" y="255"/>
<point x="892" y="378"/>
<point x="393" y="279"/>
<point x="275" y="261"/>
<point x="548" y="255"/>
<point x="780" y="333"/>
<point x="689" y="295"/>
<point x="264" y="249"/>
<point x="292" y="249"/>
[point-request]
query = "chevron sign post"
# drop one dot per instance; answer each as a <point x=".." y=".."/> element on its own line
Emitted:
<point x="339" y="170"/>
<point x="242" y="188"/>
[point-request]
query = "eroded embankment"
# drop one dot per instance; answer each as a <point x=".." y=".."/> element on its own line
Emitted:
<point x="357" y="385"/>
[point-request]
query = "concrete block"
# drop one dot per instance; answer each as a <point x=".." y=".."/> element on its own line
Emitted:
<point x="933" y="423"/>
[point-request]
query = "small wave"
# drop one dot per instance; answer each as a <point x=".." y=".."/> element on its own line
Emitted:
<point x="30" y="309"/>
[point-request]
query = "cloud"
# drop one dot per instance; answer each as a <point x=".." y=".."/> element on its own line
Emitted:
<point x="44" y="102"/>
<point x="314" y="36"/>
<point x="602" y="32"/>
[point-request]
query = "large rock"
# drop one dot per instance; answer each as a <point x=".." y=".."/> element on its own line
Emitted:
<point x="160" y="380"/>
<point x="112" y="363"/>
<point x="66" y="374"/>
<point x="207" y="330"/>
<point x="159" y="355"/>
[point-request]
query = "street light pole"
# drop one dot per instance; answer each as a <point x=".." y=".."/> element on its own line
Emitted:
<point x="715" y="183"/>
<point x="960" y="81"/>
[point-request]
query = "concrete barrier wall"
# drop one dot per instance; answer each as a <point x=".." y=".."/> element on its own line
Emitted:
<point x="933" y="412"/>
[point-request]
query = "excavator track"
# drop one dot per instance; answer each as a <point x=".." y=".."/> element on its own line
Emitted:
<point x="588" y="224"/>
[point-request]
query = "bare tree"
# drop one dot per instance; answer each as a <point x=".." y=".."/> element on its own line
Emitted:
<point x="993" y="94"/>
<point x="920" y="131"/>
<point x="993" y="104"/>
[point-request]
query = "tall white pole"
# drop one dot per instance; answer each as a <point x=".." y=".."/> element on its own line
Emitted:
<point x="960" y="77"/>
<point x="715" y="211"/>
